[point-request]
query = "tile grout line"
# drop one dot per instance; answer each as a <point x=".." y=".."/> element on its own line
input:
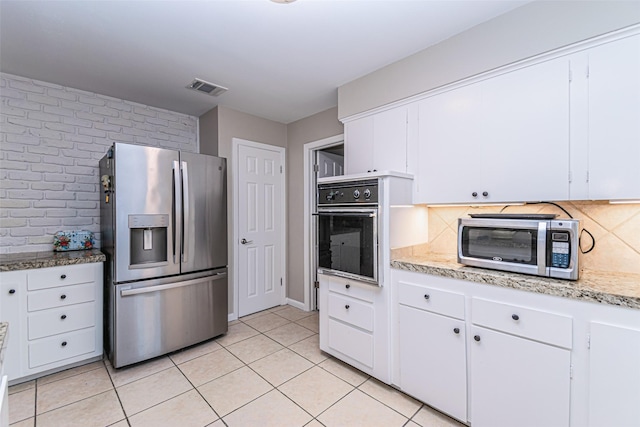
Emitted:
<point x="115" y="389"/>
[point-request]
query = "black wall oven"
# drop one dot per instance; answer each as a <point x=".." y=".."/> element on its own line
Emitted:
<point x="348" y="229"/>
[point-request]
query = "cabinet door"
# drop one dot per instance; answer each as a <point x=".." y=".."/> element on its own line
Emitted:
<point x="433" y="360"/>
<point x="614" y="376"/>
<point x="358" y="145"/>
<point x="525" y="134"/>
<point x="614" y="120"/>
<point x="13" y="309"/>
<point x="518" y="382"/>
<point x="390" y="140"/>
<point x="448" y="144"/>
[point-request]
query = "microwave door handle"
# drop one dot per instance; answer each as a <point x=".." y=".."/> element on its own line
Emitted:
<point x="175" y="219"/>
<point x="542" y="248"/>
<point x="185" y="211"/>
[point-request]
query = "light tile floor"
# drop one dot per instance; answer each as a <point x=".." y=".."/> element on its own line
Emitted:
<point x="267" y="370"/>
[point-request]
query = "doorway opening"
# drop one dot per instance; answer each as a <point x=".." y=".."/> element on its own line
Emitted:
<point x="324" y="158"/>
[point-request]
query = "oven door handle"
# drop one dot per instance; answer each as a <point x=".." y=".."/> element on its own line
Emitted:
<point x="367" y="214"/>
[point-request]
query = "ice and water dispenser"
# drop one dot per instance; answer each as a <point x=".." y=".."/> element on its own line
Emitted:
<point x="148" y="239"/>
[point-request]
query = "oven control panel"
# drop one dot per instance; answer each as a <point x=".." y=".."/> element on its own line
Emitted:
<point x="348" y="193"/>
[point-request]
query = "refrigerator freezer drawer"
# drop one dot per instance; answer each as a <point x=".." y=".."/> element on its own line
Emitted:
<point x="154" y="320"/>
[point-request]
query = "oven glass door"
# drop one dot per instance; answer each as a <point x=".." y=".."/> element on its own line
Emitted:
<point x="513" y="245"/>
<point x="348" y="243"/>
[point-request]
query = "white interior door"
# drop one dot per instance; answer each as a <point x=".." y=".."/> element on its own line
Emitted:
<point x="260" y="228"/>
<point x="330" y="164"/>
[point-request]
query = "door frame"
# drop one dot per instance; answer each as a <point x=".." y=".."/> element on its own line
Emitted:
<point x="310" y="182"/>
<point x="235" y="238"/>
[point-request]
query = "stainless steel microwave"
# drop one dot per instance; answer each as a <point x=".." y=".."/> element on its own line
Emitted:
<point x="529" y="244"/>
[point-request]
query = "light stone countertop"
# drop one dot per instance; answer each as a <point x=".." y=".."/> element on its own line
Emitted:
<point x="31" y="260"/>
<point x="602" y="287"/>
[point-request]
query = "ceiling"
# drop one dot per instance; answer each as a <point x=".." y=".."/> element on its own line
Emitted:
<point x="282" y="62"/>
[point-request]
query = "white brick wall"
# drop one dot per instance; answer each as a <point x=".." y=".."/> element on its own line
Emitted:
<point x="51" y="138"/>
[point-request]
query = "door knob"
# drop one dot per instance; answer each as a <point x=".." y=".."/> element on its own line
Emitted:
<point x="245" y="241"/>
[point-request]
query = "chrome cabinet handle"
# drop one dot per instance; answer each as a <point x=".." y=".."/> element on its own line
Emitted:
<point x="245" y="241"/>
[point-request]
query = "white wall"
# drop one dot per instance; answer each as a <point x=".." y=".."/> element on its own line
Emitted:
<point x="534" y="28"/>
<point x="51" y="139"/>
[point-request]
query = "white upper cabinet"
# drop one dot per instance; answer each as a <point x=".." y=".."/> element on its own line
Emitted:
<point x="358" y="145"/>
<point x="524" y="134"/>
<point x="377" y="142"/>
<point x="448" y="146"/>
<point x="505" y="139"/>
<point x="614" y="120"/>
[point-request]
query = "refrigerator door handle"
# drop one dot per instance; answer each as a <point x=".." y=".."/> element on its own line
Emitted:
<point x="175" y="219"/>
<point x="185" y="212"/>
<point x="149" y="289"/>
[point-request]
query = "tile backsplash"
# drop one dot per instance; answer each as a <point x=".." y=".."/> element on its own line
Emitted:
<point x="616" y="229"/>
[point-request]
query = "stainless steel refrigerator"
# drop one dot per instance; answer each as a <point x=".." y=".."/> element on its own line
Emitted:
<point x="164" y="231"/>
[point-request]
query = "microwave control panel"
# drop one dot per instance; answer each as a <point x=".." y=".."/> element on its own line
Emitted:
<point x="560" y="249"/>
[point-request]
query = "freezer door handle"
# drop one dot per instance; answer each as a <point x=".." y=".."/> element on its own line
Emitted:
<point x="185" y="211"/>
<point x="149" y="289"/>
<point x="174" y="210"/>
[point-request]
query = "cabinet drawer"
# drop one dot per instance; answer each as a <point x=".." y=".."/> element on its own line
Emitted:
<point x="550" y="328"/>
<point x="353" y="289"/>
<point x="58" y="320"/>
<point x="44" y="278"/>
<point x="60" y="297"/>
<point x="351" y="311"/>
<point x="60" y="347"/>
<point x="434" y="300"/>
<point x="351" y="342"/>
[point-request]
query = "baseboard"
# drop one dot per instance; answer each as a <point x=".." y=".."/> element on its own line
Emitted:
<point x="297" y="304"/>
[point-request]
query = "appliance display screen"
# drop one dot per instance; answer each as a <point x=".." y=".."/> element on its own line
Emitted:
<point x="500" y="244"/>
<point x="347" y="243"/>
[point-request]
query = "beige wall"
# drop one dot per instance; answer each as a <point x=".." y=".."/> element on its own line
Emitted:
<point x="616" y="229"/>
<point x="208" y="132"/>
<point x="235" y="124"/>
<point x="314" y="128"/>
<point x="532" y="29"/>
<point x="228" y="124"/>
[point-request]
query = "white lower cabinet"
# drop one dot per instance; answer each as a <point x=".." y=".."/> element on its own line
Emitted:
<point x="493" y="356"/>
<point x="55" y="318"/>
<point x="4" y="401"/>
<point x="520" y="365"/>
<point x="433" y="360"/>
<point x="614" y="375"/>
<point x="518" y="382"/>
<point x="354" y="324"/>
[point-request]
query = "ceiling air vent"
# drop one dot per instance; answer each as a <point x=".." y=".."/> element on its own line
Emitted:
<point x="206" y="87"/>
